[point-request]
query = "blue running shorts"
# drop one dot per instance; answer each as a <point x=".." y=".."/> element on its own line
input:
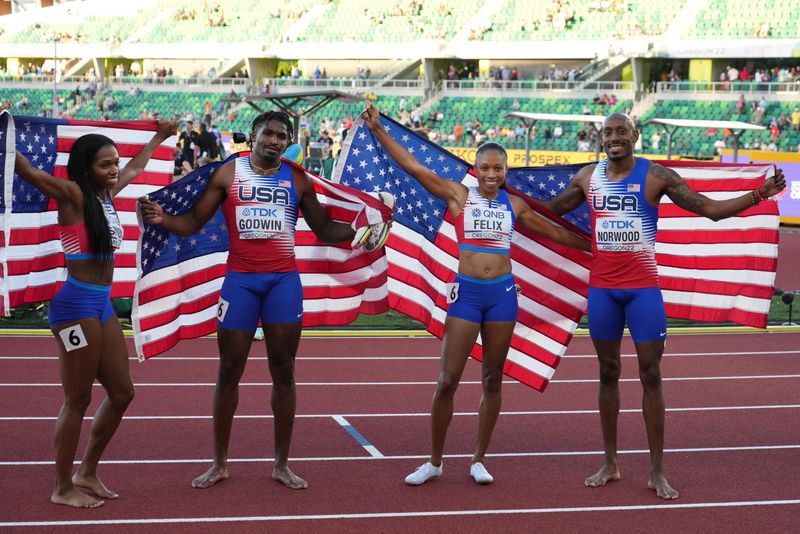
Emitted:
<point x="247" y="297"/>
<point x="79" y="300"/>
<point x="642" y="308"/>
<point x="478" y="300"/>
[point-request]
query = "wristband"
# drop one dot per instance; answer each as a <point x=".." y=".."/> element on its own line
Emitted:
<point x="758" y="192"/>
<point x="755" y="199"/>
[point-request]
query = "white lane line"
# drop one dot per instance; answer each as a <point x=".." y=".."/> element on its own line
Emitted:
<point x="424" y="414"/>
<point x="358" y="436"/>
<point x="169" y="461"/>
<point x="389" y="515"/>
<point x="412" y="382"/>
<point x="167" y="359"/>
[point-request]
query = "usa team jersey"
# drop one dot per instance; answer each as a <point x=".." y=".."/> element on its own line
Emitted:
<point x="485" y="225"/>
<point x="624" y="230"/>
<point x="261" y="214"/>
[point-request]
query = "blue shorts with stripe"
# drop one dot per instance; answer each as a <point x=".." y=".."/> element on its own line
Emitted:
<point x="271" y="297"/>
<point x="78" y="300"/>
<point x="642" y="308"/>
<point x="478" y="300"/>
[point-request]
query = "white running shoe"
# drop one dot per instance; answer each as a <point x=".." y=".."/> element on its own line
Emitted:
<point x="259" y="334"/>
<point x="424" y="473"/>
<point x="480" y="474"/>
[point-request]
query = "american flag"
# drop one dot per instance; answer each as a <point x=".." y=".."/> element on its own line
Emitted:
<point x="32" y="258"/>
<point x="709" y="271"/>
<point x="725" y="270"/>
<point x="178" y="290"/>
<point x="423" y="256"/>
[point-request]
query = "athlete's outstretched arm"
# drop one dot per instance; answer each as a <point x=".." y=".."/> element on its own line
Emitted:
<point x="672" y="185"/>
<point x="574" y="195"/>
<point x="529" y="220"/>
<point x="326" y="229"/>
<point x="449" y="191"/>
<point x="137" y="164"/>
<point x="192" y="221"/>
<point x="60" y="190"/>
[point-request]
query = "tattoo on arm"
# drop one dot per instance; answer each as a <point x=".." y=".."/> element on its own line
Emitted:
<point x="677" y="190"/>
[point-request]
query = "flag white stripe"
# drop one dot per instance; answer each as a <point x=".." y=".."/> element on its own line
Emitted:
<point x="121" y="135"/>
<point x="707" y="300"/>
<point x="736" y="276"/>
<point x="154" y="165"/>
<point x="760" y="250"/>
<point x="173" y="272"/>
<point x="733" y="223"/>
<point x="171" y="302"/>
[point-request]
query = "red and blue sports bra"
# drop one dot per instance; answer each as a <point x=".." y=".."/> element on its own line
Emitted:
<point x="75" y="239"/>
<point x="486" y="225"/>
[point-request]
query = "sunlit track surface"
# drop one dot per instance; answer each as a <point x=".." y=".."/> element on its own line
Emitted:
<point x="732" y="440"/>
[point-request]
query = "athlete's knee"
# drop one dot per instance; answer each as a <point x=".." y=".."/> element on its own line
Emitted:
<point x="121" y="399"/>
<point x="610" y="371"/>
<point x="492" y="380"/>
<point x="230" y="371"/>
<point x="282" y="372"/>
<point x="447" y="385"/>
<point x="78" y="402"/>
<point x="650" y="375"/>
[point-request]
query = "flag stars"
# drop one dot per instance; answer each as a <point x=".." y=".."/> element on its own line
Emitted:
<point x="362" y="163"/>
<point x="356" y="151"/>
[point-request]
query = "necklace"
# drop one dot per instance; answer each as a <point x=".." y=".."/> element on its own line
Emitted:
<point x="265" y="171"/>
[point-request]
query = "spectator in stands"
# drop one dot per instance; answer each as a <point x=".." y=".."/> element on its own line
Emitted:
<point x="796" y="119"/>
<point x="719" y="144"/>
<point x="655" y="140"/>
<point x="741" y="104"/>
<point x="187" y="140"/>
<point x="206" y="146"/>
<point x="557" y="132"/>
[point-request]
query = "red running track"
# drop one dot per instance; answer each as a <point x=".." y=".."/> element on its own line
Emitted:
<point x="733" y="443"/>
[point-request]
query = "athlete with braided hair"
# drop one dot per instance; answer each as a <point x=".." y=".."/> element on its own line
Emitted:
<point x="262" y="280"/>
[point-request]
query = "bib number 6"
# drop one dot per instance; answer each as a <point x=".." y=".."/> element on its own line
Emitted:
<point x="73" y="338"/>
<point x="452" y="292"/>
<point x="222" y="309"/>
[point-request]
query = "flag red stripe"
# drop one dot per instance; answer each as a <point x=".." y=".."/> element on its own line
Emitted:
<point x="754" y="263"/>
<point x="753" y="235"/>
<point x="178" y="285"/>
<point x="709" y="287"/>
<point x="713" y="315"/>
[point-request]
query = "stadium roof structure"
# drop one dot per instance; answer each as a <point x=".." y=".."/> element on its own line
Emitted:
<point x="737" y="128"/>
<point x="529" y="120"/>
<point x="306" y="101"/>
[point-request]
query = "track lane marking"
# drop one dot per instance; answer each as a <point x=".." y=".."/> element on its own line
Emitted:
<point x="167" y="359"/>
<point x="358" y="436"/>
<point x="389" y="515"/>
<point x="169" y="461"/>
<point x="411" y="382"/>
<point x="591" y="411"/>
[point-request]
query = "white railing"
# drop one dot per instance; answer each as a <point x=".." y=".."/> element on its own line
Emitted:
<point x="178" y="80"/>
<point x="728" y="87"/>
<point x="278" y="84"/>
<point x="535" y="85"/>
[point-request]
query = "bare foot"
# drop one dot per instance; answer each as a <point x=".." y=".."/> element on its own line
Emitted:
<point x="662" y="488"/>
<point x="209" y="478"/>
<point x="75" y="498"/>
<point x="94" y="485"/>
<point x="608" y="473"/>
<point x="288" y="479"/>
